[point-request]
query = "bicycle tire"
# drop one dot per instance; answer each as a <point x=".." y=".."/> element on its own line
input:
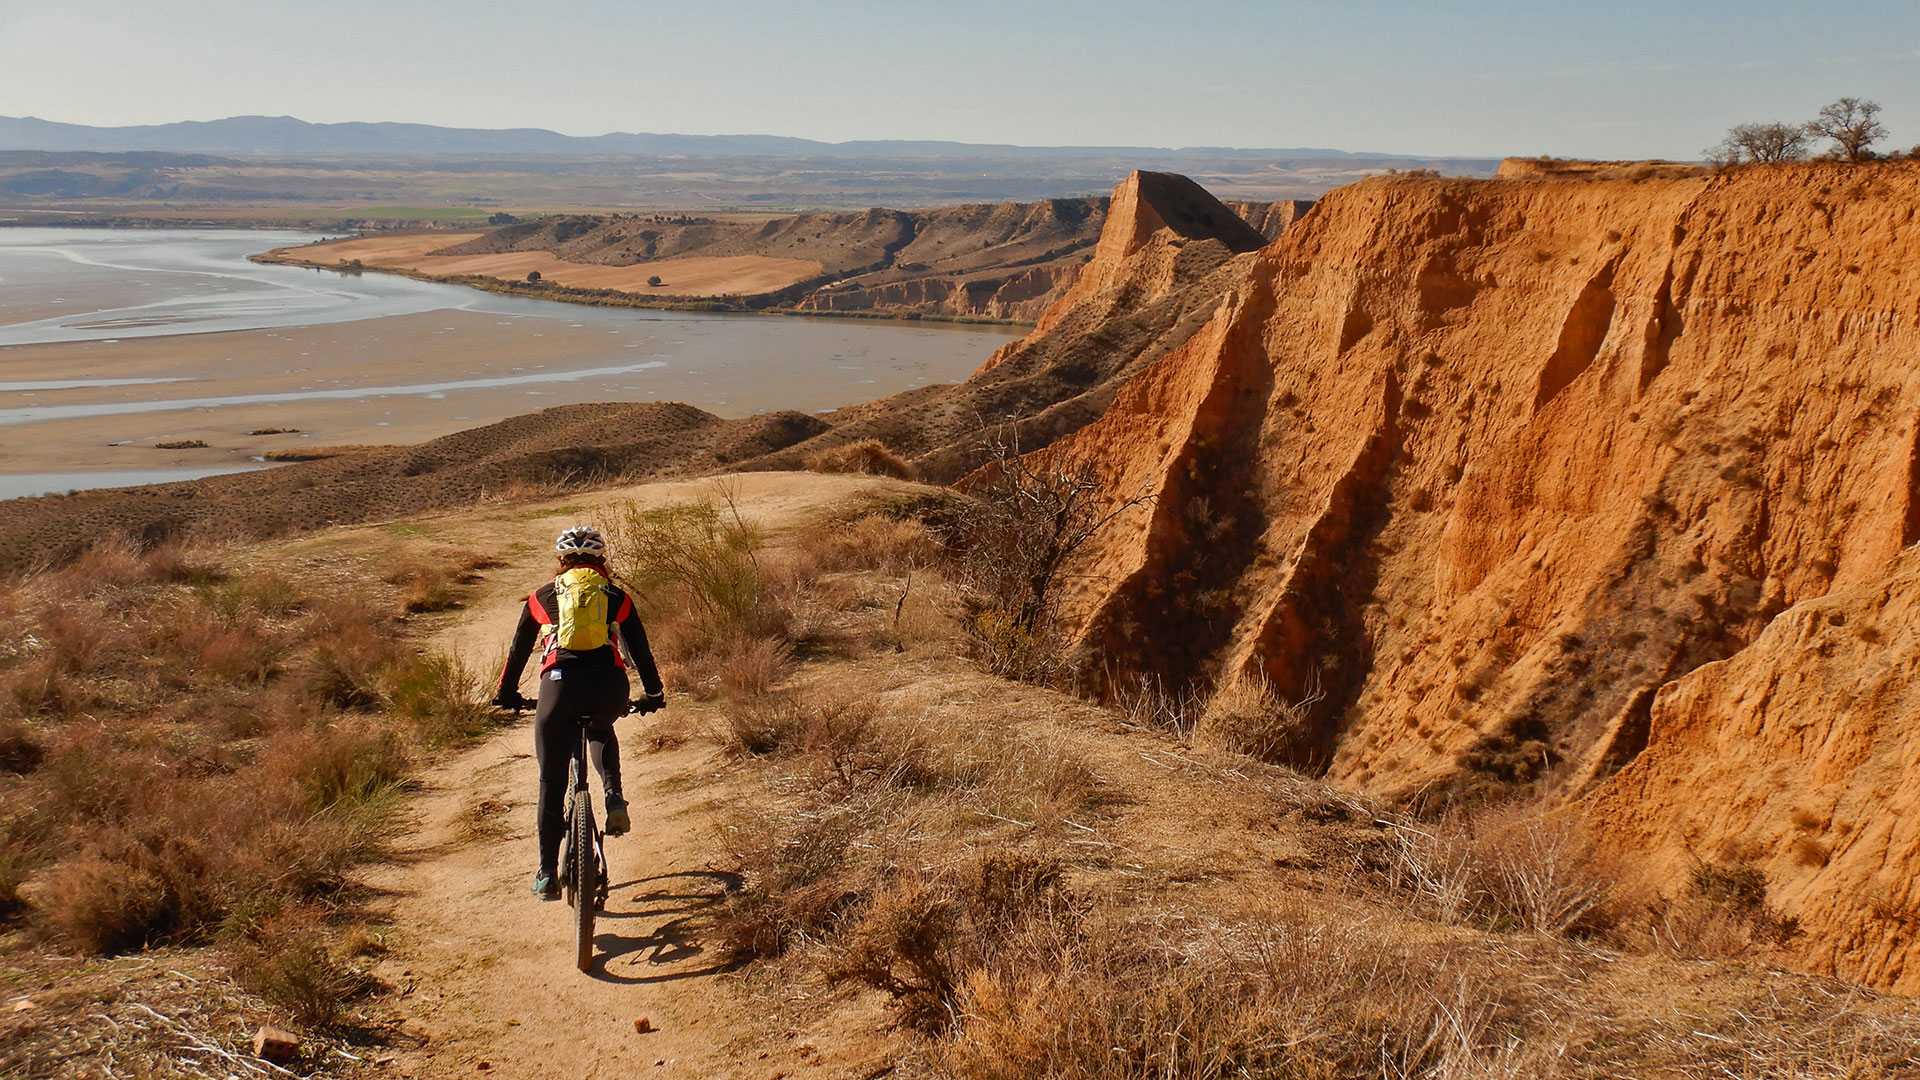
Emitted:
<point x="586" y="865"/>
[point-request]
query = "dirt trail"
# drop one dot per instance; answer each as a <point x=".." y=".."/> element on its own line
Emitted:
<point x="486" y="972"/>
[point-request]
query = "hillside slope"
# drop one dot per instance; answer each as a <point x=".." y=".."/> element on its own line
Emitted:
<point x="1528" y="481"/>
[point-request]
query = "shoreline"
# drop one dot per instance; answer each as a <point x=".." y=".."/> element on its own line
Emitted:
<point x="617" y="298"/>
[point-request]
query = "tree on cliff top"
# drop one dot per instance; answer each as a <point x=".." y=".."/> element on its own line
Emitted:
<point x="1762" y="144"/>
<point x="1851" y="124"/>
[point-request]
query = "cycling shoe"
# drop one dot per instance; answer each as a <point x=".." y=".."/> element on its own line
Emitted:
<point x="617" y="821"/>
<point x="545" y="886"/>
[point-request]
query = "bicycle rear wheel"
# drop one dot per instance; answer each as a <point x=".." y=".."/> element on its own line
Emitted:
<point x="584" y="881"/>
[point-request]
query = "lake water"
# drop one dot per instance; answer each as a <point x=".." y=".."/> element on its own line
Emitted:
<point x="117" y="346"/>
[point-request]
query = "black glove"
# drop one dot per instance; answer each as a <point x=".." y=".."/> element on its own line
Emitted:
<point x="647" y="703"/>
<point x="510" y="699"/>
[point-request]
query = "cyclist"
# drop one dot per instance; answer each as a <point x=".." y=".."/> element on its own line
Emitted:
<point x="575" y="619"/>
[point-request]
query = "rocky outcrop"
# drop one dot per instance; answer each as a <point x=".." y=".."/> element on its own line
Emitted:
<point x="1554" y="484"/>
<point x="1020" y="296"/>
<point x="1270" y="219"/>
<point x="1167" y="254"/>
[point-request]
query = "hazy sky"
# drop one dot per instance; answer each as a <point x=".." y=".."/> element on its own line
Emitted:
<point x="1628" y="78"/>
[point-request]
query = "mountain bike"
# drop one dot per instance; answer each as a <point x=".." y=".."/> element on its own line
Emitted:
<point x="584" y="882"/>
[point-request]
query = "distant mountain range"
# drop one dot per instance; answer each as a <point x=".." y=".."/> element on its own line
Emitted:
<point x="280" y="136"/>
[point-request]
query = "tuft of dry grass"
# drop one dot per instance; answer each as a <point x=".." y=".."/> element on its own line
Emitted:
<point x="713" y="612"/>
<point x="444" y="697"/>
<point x="1247" y="717"/>
<point x="869" y="456"/>
<point x="1504" y="868"/>
<point x="292" y="958"/>
<point x="873" y="543"/>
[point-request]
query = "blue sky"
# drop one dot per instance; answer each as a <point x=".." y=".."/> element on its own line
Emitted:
<point x="1623" y="79"/>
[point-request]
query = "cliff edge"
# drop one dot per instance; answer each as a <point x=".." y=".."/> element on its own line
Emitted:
<point x="1601" y="487"/>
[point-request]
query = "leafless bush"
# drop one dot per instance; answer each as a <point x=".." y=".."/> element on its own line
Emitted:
<point x="1506" y="868"/>
<point x="1721" y="911"/>
<point x="1029" y="516"/>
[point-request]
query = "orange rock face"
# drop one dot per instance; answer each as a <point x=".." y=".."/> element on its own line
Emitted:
<point x="1604" y="485"/>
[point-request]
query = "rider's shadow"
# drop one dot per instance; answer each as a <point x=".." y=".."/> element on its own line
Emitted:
<point x="673" y="943"/>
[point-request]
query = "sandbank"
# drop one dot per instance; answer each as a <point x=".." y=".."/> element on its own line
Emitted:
<point x="694" y="276"/>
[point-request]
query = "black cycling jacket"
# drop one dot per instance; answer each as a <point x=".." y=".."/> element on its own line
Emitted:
<point x="537" y="614"/>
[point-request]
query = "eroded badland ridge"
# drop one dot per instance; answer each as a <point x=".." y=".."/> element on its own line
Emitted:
<point x="1607" y="485"/>
<point x="1604" y="487"/>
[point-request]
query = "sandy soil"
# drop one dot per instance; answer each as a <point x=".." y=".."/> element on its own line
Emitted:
<point x="487" y="972"/>
<point x="679" y="277"/>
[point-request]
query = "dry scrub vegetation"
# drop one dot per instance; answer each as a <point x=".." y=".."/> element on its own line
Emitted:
<point x="194" y="748"/>
<point x="1041" y="887"/>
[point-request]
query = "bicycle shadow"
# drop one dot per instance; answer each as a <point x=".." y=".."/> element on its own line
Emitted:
<point x="671" y="944"/>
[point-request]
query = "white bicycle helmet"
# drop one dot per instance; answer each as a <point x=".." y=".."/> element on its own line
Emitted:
<point x="580" y="540"/>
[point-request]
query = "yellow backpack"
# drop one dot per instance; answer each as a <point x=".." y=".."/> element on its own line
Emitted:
<point x="580" y="624"/>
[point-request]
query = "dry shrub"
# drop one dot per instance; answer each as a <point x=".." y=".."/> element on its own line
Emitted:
<point x="430" y="580"/>
<point x="1247" y="717"/>
<point x="1278" y="993"/>
<point x="1012" y="650"/>
<point x="1722" y="912"/>
<point x="1505" y="868"/>
<point x="343" y="669"/>
<point x="347" y="760"/>
<point x="174" y="751"/>
<point x="919" y="935"/>
<point x="440" y="694"/>
<point x="871" y="542"/>
<point x="804" y="864"/>
<point x="869" y="456"/>
<point x="713" y="609"/>
<point x="290" y="957"/>
<point x="164" y="858"/>
<point x="1026" y="523"/>
<point x="425" y="585"/>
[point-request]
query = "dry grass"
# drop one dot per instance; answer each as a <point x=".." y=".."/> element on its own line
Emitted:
<point x="1247" y="717"/>
<point x="1505" y="868"/>
<point x="869" y="456"/>
<point x="1280" y="992"/>
<point x="430" y="581"/>
<point x="863" y="790"/>
<point x="873" y="543"/>
<point x="187" y="745"/>
<point x="713" y="614"/>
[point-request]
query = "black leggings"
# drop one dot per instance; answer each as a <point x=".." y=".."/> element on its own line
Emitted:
<point x="567" y="694"/>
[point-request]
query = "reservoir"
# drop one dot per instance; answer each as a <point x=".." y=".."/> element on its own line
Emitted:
<point x="113" y="342"/>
